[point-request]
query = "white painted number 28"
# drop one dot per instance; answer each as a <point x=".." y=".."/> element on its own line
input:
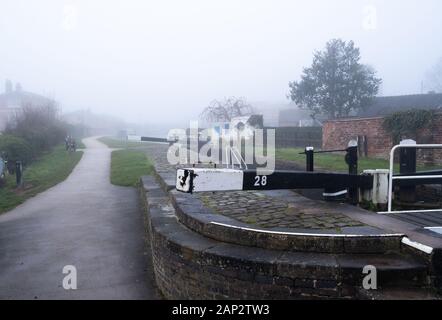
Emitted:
<point x="260" y="181"/>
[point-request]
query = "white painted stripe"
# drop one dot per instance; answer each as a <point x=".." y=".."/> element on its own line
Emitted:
<point x="410" y="211"/>
<point x="339" y="193"/>
<point x="416" y="177"/>
<point x="434" y="229"/>
<point x="419" y="246"/>
<point x="308" y="234"/>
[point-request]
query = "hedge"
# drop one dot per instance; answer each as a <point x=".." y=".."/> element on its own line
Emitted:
<point x="14" y="148"/>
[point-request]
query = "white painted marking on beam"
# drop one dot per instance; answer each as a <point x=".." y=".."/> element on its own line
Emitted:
<point x="410" y="211"/>
<point x="206" y="180"/>
<point x="335" y="194"/>
<point x="386" y="235"/>
<point x="416" y="177"/>
<point x="139" y="139"/>
<point x="434" y="229"/>
<point x="417" y="245"/>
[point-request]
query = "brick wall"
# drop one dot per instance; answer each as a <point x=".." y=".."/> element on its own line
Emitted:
<point x="337" y="134"/>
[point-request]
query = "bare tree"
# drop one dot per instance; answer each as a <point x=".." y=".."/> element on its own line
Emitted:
<point x="225" y="110"/>
<point x="434" y="77"/>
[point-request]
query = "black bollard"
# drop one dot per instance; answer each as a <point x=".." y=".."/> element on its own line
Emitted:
<point x="351" y="158"/>
<point x="309" y="158"/>
<point x="19" y="173"/>
<point x="407" y="165"/>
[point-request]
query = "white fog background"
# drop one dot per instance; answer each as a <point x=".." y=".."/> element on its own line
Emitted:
<point x="164" y="61"/>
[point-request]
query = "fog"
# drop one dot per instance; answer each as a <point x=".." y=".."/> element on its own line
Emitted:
<point x="164" y="61"/>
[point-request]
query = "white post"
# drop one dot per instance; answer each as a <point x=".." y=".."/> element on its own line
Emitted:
<point x="379" y="194"/>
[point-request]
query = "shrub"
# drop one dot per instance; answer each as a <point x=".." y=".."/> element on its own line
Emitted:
<point x="39" y="126"/>
<point x="13" y="149"/>
<point x="406" y="124"/>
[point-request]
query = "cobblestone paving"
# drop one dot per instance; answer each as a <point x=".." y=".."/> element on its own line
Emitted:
<point x="268" y="212"/>
<point x="259" y="209"/>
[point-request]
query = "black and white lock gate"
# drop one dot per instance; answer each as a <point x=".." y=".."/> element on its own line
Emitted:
<point x="191" y="180"/>
<point x="203" y="180"/>
<point x="146" y="139"/>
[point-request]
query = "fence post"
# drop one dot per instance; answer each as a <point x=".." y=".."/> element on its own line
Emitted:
<point x="309" y="156"/>
<point x="407" y="165"/>
<point x="352" y="160"/>
<point x="19" y="173"/>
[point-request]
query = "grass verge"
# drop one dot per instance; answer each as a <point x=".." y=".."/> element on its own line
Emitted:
<point x="128" y="166"/>
<point x="80" y="145"/>
<point x="49" y="170"/>
<point x="330" y="161"/>
<point x="336" y="162"/>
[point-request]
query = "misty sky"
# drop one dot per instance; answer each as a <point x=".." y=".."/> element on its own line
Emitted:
<point x="145" y="59"/>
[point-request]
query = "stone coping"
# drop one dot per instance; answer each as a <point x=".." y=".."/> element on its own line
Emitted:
<point x="196" y="216"/>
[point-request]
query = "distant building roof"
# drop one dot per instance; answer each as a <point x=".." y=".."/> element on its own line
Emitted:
<point x="12" y="101"/>
<point x="383" y="106"/>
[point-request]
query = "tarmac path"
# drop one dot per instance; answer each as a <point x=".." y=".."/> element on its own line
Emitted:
<point x="85" y="222"/>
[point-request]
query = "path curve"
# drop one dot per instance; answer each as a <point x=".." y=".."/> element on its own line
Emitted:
<point x="85" y="222"/>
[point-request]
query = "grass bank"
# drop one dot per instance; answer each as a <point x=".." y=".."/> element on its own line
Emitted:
<point x="80" y="144"/>
<point x="129" y="163"/>
<point x="50" y="169"/>
<point x="128" y="166"/>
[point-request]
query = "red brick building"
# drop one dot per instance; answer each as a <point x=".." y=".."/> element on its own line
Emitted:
<point x="369" y="124"/>
<point x="337" y="133"/>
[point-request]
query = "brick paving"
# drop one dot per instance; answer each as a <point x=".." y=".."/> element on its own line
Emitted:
<point x="259" y="209"/>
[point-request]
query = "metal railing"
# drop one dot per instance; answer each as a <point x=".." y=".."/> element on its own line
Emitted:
<point x="410" y="177"/>
<point x="232" y="153"/>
